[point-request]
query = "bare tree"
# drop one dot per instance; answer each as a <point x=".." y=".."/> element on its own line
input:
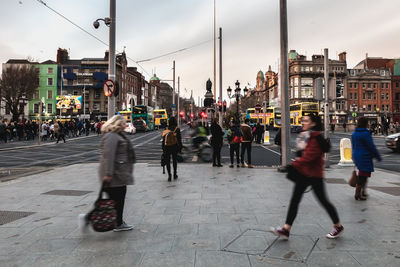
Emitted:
<point x="17" y="83"/>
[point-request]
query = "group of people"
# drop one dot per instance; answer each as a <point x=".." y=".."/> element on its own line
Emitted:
<point x="24" y="130"/>
<point x="117" y="159"/>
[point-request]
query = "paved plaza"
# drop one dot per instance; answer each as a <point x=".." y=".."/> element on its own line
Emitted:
<point x="208" y="217"/>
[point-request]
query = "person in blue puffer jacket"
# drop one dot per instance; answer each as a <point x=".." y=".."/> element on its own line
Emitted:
<point x="364" y="151"/>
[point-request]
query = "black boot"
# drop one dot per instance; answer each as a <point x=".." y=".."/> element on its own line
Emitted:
<point x="169" y="177"/>
<point x="175" y="176"/>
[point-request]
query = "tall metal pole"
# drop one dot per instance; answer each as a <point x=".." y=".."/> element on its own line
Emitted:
<point x="215" y="33"/>
<point x="84" y="100"/>
<point x="173" y="89"/>
<point x="178" y="106"/>
<point x="284" y="80"/>
<point x="220" y="78"/>
<point x="326" y="108"/>
<point x="111" y="58"/>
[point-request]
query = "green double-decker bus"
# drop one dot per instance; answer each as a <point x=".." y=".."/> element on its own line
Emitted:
<point x="140" y="114"/>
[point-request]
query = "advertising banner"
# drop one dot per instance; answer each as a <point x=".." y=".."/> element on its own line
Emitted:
<point x="69" y="102"/>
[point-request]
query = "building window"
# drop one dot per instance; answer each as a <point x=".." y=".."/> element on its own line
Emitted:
<point x="355" y="85"/>
<point x="382" y="107"/>
<point x="50" y="70"/>
<point x="369" y="95"/>
<point x="374" y="85"/>
<point x="363" y="95"/>
<point x="36" y="95"/>
<point x="351" y="95"/>
<point x="363" y="85"/>
<point x="96" y="106"/>
<point x="369" y="85"/>
<point x="374" y="107"/>
<point x="387" y="86"/>
<point x="387" y="107"/>
<point x="387" y="96"/>
<point x="50" y="81"/>
<point x="76" y="92"/>
<point x="369" y="107"/>
<point x="49" y="94"/>
<point x="307" y="88"/>
<point x="397" y="96"/>
<point x="350" y="85"/>
<point x="49" y="108"/>
<point x="355" y="96"/>
<point x="382" y="96"/>
<point x="397" y="84"/>
<point x="96" y="95"/>
<point x="374" y="96"/>
<point x="36" y="108"/>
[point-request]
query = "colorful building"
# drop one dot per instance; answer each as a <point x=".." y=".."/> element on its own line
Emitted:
<point x="46" y="91"/>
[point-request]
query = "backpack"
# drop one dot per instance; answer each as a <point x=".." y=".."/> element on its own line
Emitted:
<point x="170" y="138"/>
<point x="325" y="144"/>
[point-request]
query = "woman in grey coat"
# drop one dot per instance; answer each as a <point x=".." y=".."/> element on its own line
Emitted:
<point x="116" y="165"/>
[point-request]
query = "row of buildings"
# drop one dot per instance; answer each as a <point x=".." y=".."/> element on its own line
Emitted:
<point x="370" y="89"/>
<point x="74" y="87"/>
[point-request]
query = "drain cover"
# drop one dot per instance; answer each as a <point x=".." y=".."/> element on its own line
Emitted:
<point x="335" y="181"/>
<point x="10" y="216"/>
<point x="67" y="192"/>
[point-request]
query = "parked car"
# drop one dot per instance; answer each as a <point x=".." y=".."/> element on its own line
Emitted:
<point x="393" y="142"/>
<point x="140" y="125"/>
<point x="130" y="129"/>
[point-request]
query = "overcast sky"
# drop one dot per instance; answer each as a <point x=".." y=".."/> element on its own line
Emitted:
<point x="149" y="28"/>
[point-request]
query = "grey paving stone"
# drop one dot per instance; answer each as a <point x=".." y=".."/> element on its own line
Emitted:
<point x="61" y="259"/>
<point x="218" y="259"/>
<point x="156" y="244"/>
<point x="161" y="219"/>
<point x="177" y="229"/>
<point x="198" y="218"/>
<point x="127" y="259"/>
<point x="196" y="242"/>
<point x="168" y="259"/>
<point x="219" y="229"/>
<point x="18" y="260"/>
<point x="373" y="258"/>
<point x="225" y="218"/>
<point x="259" y="261"/>
<point x="247" y="244"/>
<point x="64" y="246"/>
<point x="330" y="258"/>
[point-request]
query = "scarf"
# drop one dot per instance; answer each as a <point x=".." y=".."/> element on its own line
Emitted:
<point x="302" y="140"/>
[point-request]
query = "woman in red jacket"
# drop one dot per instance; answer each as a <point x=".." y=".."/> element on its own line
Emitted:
<point x="310" y="164"/>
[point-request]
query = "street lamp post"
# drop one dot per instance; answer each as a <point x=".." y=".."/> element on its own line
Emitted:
<point x="377" y="121"/>
<point x="237" y="95"/>
<point x="110" y="22"/>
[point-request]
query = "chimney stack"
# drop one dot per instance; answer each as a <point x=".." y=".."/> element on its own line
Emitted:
<point x="62" y="55"/>
<point x="342" y="56"/>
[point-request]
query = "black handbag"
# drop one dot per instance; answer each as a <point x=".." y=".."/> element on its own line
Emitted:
<point x="293" y="174"/>
<point x="103" y="217"/>
<point x="163" y="163"/>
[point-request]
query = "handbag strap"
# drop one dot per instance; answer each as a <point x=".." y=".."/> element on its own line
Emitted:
<point x="102" y="190"/>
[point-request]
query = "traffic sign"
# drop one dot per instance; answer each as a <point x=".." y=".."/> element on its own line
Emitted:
<point x="108" y="88"/>
<point x="354" y="114"/>
<point x="173" y="106"/>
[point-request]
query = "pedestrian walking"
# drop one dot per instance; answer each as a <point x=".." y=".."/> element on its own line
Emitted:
<point x="309" y="166"/>
<point x="246" y="143"/>
<point x="3" y="132"/>
<point x="216" y="142"/>
<point x="364" y="151"/>
<point x="234" y="137"/>
<point x="116" y="167"/>
<point x="61" y="132"/>
<point x="171" y="145"/>
<point x="259" y="131"/>
<point x="344" y="126"/>
<point x="87" y="127"/>
<point x="332" y="127"/>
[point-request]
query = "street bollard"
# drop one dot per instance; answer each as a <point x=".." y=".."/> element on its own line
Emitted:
<point x="266" y="138"/>
<point x="345" y="153"/>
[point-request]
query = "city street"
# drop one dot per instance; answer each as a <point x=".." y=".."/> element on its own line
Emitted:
<point x="18" y="159"/>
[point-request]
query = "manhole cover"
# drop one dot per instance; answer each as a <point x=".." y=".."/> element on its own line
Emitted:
<point x="335" y="181"/>
<point x="10" y="216"/>
<point x="67" y="192"/>
<point x="394" y="191"/>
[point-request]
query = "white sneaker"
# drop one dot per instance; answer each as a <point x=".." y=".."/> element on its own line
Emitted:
<point x="123" y="227"/>
<point x="83" y="223"/>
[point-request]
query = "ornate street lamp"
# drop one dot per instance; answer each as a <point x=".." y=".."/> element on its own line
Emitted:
<point x="237" y="96"/>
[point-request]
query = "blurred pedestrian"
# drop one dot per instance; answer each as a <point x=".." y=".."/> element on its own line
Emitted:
<point x="344" y="126"/>
<point x="332" y="127"/>
<point x="171" y="145"/>
<point x="116" y="167"/>
<point x="3" y="131"/>
<point x="258" y="133"/>
<point x="364" y="151"/>
<point x="234" y="137"/>
<point x="246" y="143"/>
<point x="309" y="165"/>
<point x="61" y="132"/>
<point x="216" y="142"/>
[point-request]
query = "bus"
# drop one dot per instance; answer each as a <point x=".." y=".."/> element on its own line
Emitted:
<point x="160" y="118"/>
<point x="297" y="111"/>
<point x="127" y="115"/>
<point x="143" y="113"/>
<point x="272" y="116"/>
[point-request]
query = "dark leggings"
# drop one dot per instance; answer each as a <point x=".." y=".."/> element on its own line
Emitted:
<point x="318" y="187"/>
<point x="234" y="148"/>
<point x="361" y="180"/>
<point x="118" y="195"/>
<point x="217" y="153"/>
<point x="174" y="152"/>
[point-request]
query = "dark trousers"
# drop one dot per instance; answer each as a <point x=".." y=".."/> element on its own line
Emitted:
<point x="61" y="136"/>
<point x="118" y="195"/>
<point x="171" y="151"/>
<point x="361" y="180"/>
<point x="246" y="146"/>
<point x="318" y="187"/>
<point x="234" y="148"/>
<point x="217" y="153"/>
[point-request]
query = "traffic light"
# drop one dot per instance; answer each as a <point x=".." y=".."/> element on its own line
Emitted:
<point x="191" y="115"/>
<point x="181" y="114"/>
<point x="224" y="106"/>
<point x="219" y="106"/>
<point x="203" y="115"/>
